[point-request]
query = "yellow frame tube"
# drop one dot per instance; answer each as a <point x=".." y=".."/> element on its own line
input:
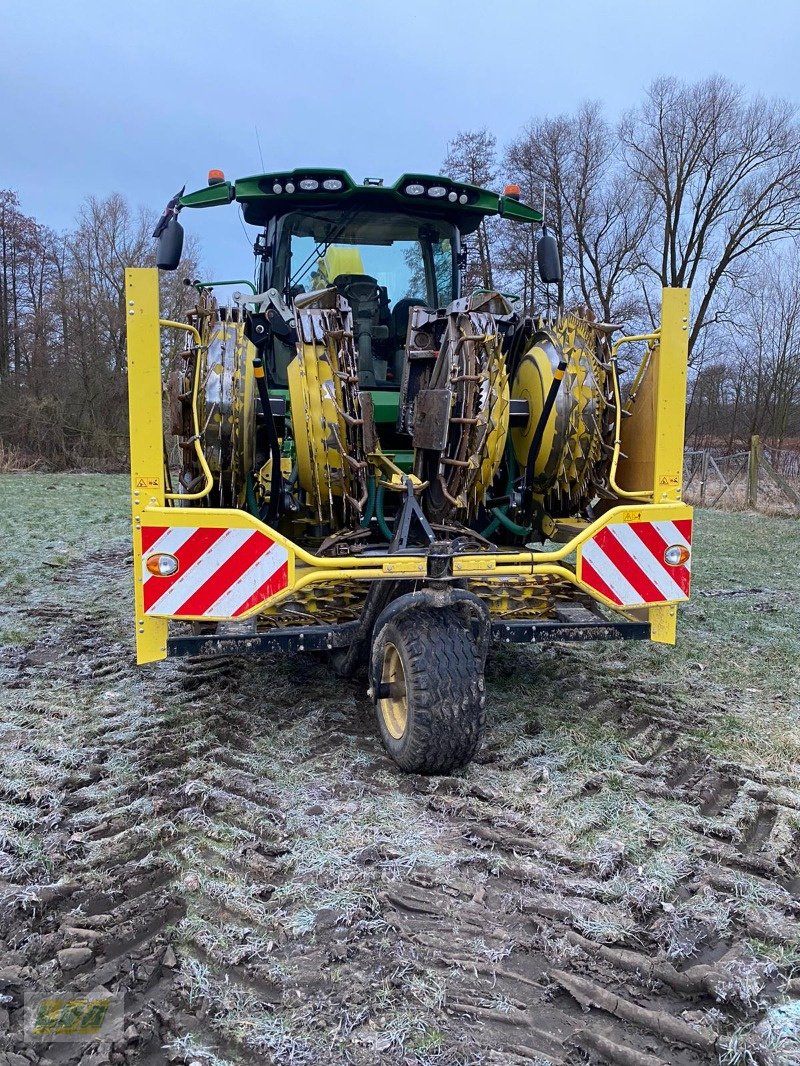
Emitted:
<point x="528" y="561"/>
<point x="485" y="563"/>
<point x="146" y="439"/>
<point x="314" y="569"/>
<point x="671" y="369"/>
<point x="167" y="323"/>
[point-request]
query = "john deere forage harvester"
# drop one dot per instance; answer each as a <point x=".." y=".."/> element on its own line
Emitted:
<point x="378" y="466"/>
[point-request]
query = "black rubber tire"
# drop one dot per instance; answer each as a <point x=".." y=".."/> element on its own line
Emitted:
<point x="445" y="690"/>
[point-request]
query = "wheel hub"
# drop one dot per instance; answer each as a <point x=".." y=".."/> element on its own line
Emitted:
<point x="393" y="706"/>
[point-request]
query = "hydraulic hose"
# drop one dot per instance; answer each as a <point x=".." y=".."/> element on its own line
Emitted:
<point x="502" y="518"/>
<point x="252" y="503"/>
<point x="550" y="399"/>
<point x="500" y="513"/>
<point x="274" y="506"/>
<point x="379" y="512"/>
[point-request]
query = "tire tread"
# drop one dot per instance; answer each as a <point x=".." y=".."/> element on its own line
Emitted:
<point x="445" y="685"/>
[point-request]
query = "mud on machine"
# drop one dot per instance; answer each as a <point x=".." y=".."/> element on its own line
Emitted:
<point x="377" y="466"/>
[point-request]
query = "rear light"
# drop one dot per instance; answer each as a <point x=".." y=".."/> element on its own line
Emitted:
<point x="676" y="555"/>
<point x="162" y="564"/>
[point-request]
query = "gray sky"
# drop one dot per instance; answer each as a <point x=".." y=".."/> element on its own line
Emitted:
<point x="140" y="97"/>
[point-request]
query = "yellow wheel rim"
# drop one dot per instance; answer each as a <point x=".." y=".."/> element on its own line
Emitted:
<point x="394" y="706"/>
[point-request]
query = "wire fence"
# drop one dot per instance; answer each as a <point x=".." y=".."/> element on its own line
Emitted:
<point x="747" y="479"/>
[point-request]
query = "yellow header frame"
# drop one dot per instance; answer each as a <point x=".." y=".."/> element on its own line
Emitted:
<point x="149" y="501"/>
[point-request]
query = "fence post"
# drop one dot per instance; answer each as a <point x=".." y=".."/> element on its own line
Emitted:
<point x="752" y="472"/>
<point x="703" y="474"/>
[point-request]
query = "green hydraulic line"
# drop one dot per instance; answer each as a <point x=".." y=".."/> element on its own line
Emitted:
<point x="501" y="517"/>
<point x="379" y="512"/>
<point x="490" y="529"/>
<point x="500" y="513"/>
<point x="252" y="503"/>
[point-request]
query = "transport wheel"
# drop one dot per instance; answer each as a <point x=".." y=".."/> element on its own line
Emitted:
<point x="428" y="687"/>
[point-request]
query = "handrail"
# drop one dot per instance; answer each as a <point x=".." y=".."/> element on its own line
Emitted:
<point x="612" y="474"/>
<point x="167" y="323"/>
<point x="218" y="284"/>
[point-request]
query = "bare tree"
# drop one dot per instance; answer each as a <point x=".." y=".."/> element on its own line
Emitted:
<point x="767" y="349"/>
<point x="62" y="328"/>
<point x="21" y="248"/>
<point x="472" y="158"/>
<point x="723" y="175"/>
<point x="609" y="216"/>
<point x="535" y="161"/>
<point x="698" y="186"/>
<point x="599" y="215"/>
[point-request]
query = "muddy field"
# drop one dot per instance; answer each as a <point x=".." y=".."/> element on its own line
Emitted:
<point x="225" y="848"/>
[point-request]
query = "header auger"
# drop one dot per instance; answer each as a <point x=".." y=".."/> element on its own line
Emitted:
<point x="378" y="466"/>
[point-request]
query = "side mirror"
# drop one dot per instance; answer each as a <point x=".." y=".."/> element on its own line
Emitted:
<point x="547" y="257"/>
<point x="170" y="245"/>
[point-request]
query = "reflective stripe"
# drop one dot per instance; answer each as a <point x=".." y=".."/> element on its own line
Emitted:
<point x="591" y="578"/>
<point x="271" y="587"/>
<point x="670" y="532"/>
<point x="149" y="535"/>
<point x="208" y="563"/>
<point x="624" y="562"/>
<point x="200" y="602"/>
<point x="655" y="570"/>
<point x="655" y="543"/>
<point x="251" y="580"/>
<point x="192" y="549"/>
<point x="616" y="581"/>
<point x="646" y="591"/>
<point x="223" y="572"/>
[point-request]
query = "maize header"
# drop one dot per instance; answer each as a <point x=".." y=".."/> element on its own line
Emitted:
<point x="377" y="466"/>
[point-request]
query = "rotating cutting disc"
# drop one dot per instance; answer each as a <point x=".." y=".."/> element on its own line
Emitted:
<point x="328" y="417"/>
<point x="221" y="368"/>
<point x="572" y="442"/>
<point x="495" y="400"/>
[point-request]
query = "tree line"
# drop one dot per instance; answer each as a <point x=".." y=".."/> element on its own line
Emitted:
<point x="63" y="385"/>
<point x="697" y="184"/>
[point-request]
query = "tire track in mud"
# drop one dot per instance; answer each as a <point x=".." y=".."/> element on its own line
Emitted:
<point x="98" y="912"/>
<point x="227" y="844"/>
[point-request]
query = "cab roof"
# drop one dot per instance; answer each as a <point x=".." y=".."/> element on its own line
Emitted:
<point x="264" y="195"/>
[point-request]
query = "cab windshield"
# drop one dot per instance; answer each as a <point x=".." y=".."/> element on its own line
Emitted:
<point x="410" y="258"/>
<point x="382" y="264"/>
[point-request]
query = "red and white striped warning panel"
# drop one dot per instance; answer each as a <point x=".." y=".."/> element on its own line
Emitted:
<point x="221" y="573"/>
<point x="627" y="562"/>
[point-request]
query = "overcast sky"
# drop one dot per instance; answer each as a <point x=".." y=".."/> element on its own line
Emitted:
<point x="140" y="97"/>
